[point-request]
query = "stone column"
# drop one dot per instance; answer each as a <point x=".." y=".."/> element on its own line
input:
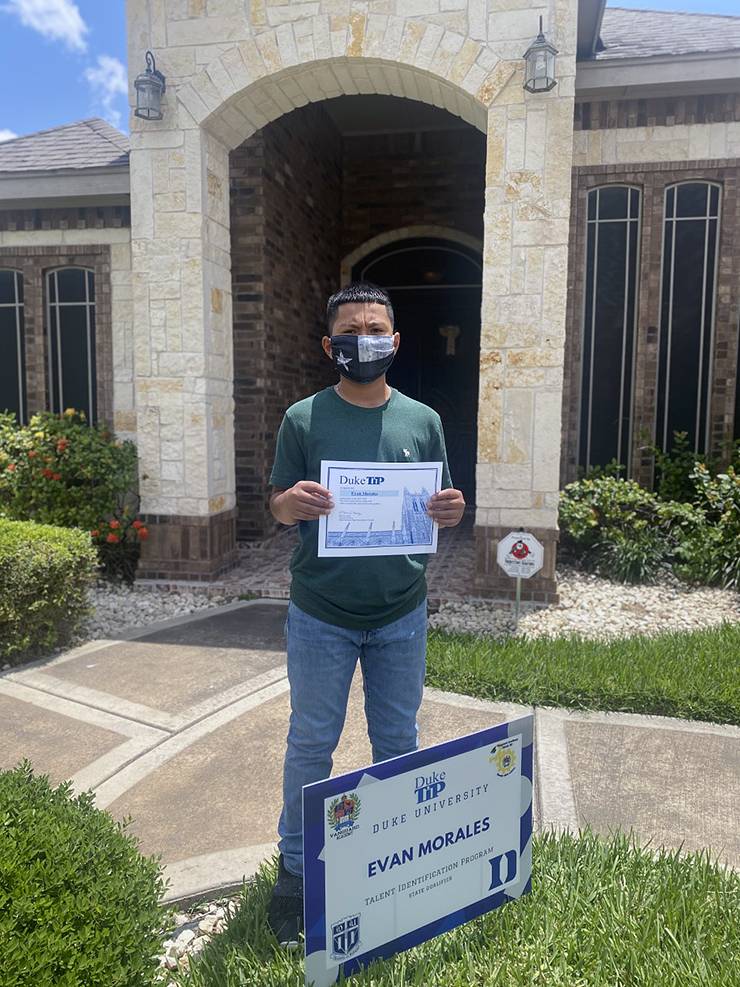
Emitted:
<point x="524" y="295"/>
<point x="183" y="371"/>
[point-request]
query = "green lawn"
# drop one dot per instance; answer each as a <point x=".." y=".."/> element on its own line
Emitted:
<point x="601" y="914"/>
<point x="695" y="676"/>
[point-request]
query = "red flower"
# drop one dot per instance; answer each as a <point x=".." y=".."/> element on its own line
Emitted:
<point x="115" y="524"/>
<point x="143" y="533"/>
<point x="62" y="445"/>
<point x="138" y="524"/>
<point x="12" y="468"/>
<point x="32" y="453"/>
<point x="113" y="539"/>
<point x="56" y="476"/>
<point x="47" y="472"/>
<point x="95" y="533"/>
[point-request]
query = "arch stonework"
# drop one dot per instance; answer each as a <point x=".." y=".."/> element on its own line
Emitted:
<point x="404" y="233"/>
<point x="232" y="66"/>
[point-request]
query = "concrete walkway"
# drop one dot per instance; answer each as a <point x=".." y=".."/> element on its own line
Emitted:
<point x="183" y="727"/>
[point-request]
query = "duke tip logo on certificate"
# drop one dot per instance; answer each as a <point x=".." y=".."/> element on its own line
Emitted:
<point x="401" y="851"/>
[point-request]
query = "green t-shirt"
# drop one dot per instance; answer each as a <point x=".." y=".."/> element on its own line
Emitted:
<point x="370" y="591"/>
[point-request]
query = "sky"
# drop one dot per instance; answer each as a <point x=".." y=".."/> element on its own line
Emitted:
<point x="65" y="60"/>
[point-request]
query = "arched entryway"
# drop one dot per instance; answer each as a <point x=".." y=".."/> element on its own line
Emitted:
<point x="435" y="287"/>
<point x="376" y="187"/>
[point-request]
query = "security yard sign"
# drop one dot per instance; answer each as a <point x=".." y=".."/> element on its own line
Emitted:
<point x="399" y="852"/>
<point x="520" y="554"/>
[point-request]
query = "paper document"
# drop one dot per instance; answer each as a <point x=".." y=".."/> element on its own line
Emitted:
<point x="380" y="508"/>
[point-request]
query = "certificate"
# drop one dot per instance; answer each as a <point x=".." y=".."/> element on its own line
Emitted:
<point x="380" y="508"/>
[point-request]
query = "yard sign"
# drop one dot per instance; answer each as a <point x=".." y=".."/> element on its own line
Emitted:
<point x="399" y="852"/>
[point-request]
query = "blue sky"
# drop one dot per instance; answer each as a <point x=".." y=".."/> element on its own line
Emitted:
<point x="64" y="60"/>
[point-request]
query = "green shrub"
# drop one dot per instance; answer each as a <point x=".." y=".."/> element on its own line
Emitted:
<point x="79" y="904"/>
<point x="673" y="469"/>
<point x="711" y="551"/>
<point x="45" y="573"/>
<point x="58" y="470"/>
<point x="622" y="531"/>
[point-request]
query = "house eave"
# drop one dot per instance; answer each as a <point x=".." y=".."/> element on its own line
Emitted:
<point x="659" y="75"/>
<point x="93" y="184"/>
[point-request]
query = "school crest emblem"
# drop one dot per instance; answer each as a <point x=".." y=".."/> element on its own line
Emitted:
<point x="342" y="814"/>
<point x="345" y="937"/>
<point x="504" y="757"/>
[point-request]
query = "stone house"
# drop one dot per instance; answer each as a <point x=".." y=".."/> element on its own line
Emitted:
<point x="565" y="265"/>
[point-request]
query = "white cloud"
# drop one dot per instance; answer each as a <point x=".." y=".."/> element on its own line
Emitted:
<point x="7" y="135"/>
<point x="108" y="80"/>
<point x="58" y="20"/>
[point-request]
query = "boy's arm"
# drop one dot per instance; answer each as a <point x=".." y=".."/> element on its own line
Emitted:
<point x="304" y="501"/>
<point x="447" y="506"/>
<point x="295" y="498"/>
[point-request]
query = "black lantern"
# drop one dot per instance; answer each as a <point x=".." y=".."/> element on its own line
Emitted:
<point x="149" y="88"/>
<point x="539" y="65"/>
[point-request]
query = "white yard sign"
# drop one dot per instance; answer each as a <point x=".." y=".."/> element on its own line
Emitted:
<point x="401" y="851"/>
<point x="520" y="554"/>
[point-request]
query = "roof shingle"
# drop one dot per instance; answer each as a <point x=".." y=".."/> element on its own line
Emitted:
<point x="642" y="33"/>
<point x="89" y="143"/>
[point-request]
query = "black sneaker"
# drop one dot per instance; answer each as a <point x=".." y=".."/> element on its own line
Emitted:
<point x="285" y="913"/>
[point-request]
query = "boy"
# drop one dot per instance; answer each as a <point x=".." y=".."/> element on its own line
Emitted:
<point x="340" y="609"/>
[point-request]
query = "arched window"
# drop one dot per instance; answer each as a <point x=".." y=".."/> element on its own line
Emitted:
<point x="689" y="274"/>
<point x="608" y="351"/>
<point x="71" y="326"/>
<point x="12" y="347"/>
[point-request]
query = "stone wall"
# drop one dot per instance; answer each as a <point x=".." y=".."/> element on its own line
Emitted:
<point x="633" y="131"/>
<point x="106" y="251"/>
<point x="286" y="222"/>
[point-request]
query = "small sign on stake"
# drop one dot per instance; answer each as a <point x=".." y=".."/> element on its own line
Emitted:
<point x="521" y="556"/>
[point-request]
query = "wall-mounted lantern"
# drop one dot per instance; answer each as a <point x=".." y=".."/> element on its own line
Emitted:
<point x="539" y="65"/>
<point x="149" y="87"/>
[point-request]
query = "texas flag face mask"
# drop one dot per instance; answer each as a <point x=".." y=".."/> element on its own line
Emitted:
<point x="362" y="358"/>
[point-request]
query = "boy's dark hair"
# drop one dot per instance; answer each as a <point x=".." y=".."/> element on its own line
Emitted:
<point x="358" y="291"/>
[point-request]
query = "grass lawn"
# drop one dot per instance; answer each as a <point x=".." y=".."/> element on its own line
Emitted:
<point x="695" y="676"/>
<point x="601" y="914"/>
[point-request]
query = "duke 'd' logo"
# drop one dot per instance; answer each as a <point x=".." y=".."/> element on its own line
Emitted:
<point x="342" y="815"/>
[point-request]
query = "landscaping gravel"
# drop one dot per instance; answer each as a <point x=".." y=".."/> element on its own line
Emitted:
<point x="589" y="606"/>
<point x="597" y="608"/>
<point x="193" y="930"/>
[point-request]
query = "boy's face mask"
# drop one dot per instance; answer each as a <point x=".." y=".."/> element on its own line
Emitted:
<point x="362" y="358"/>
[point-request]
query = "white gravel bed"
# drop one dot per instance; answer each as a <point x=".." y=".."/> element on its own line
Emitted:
<point x="193" y="930"/>
<point x="589" y="606"/>
<point x="122" y="606"/>
<point x="597" y="608"/>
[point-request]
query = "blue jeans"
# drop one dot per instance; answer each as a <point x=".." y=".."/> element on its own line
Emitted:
<point x="321" y="662"/>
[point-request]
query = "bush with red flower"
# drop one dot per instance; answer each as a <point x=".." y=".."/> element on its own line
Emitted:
<point x="62" y="471"/>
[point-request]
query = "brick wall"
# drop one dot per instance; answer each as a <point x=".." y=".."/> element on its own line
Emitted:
<point x="394" y="180"/>
<point x="652" y="180"/>
<point x="66" y="218"/>
<point x="33" y="262"/>
<point x="661" y="111"/>
<point x="286" y="216"/>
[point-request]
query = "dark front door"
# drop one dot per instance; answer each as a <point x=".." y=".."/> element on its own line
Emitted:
<point x="435" y="289"/>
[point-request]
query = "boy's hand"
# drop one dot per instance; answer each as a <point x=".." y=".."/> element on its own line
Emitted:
<point x="304" y="501"/>
<point x="446" y="507"/>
